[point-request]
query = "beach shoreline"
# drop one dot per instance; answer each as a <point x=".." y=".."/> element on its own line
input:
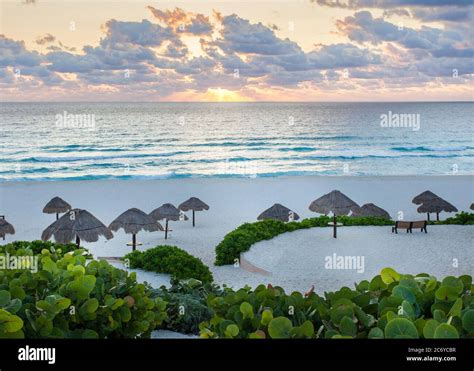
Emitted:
<point x="232" y="201"/>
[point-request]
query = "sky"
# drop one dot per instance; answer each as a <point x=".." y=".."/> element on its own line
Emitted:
<point x="293" y="50"/>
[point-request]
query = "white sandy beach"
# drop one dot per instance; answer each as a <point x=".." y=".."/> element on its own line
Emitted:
<point x="295" y="260"/>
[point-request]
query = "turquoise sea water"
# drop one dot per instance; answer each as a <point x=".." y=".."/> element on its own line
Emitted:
<point x="73" y="141"/>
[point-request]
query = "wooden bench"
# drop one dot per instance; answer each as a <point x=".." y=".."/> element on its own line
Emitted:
<point x="400" y="224"/>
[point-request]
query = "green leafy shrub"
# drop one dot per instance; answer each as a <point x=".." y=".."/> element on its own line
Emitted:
<point x="244" y="236"/>
<point x="391" y="305"/>
<point x="67" y="298"/>
<point x="266" y="312"/>
<point x="462" y="218"/>
<point x="171" y="260"/>
<point x="37" y="246"/>
<point x="187" y="306"/>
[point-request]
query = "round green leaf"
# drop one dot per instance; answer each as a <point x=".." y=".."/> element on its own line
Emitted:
<point x="399" y="328"/>
<point x="468" y="321"/>
<point x="453" y="282"/>
<point x="445" y="331"/>
<point x="377" y="284"/>
<point x="430" y="328"/>
<point x="232" y="330"/>
<point x="4" y="298"/>
<point x="306" y="330"/>
<point x="375" y="333"/>
<point x="91" y="305"/>
<point x="389" y="275"/>
<point x="446" y="293"/>
<point x="267" y="316"/>
<point x="403" y="293"/>
<point x="348" y="327"/>
<point x="280" y="328"/>
<point x="246" y="309"/>
<point x="342" y="308"/>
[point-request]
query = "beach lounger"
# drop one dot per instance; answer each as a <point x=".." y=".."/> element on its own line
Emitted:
<point x="399" y="224"/>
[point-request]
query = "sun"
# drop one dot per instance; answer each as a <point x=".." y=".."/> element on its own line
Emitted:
<point x="223" y="95"/>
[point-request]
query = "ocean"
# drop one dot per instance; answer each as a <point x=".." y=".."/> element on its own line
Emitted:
<point x="86" y="141"/>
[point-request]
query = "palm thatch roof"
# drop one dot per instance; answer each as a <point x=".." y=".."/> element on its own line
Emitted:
<point x="436" y="205"/>
<point x="336" y="202"/>
<point x="56" y="205"/>
<point x="424" y="197"/>
<point x="193" y="203"/>
<point x="472" y="206"/>
<point x="166" y="211"/>
<point x="134" y="220"/>
<point x="278" y="212"/>
<point x="371" y="210"/>
<point x="5" y="228"/>
<point x="76" y="223"/>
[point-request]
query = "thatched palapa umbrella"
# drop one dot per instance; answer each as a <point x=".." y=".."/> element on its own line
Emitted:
<point x="436" y="206"/>
<point x="337" y="203"/>
<point x="5" y="227"/>
<point x="194" y="204"/>
<point x="432" y="203"/>
<point x="371" y="210"/>
<point x="79" y="225"/>
<point x="424" y="197"/>
<point x="278" y="212"/>
<point x="166" y="212"/>
<point x="133" y="221"/>
<point x="55" y="206"/>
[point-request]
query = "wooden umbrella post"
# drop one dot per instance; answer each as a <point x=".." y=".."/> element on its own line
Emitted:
<point x="428" y="214"/>
<point x="193" y="218"/>
<point x="166" y="229"/>
<point x="134" y="242"/>
<point x="78" y="241"/>
<point x="437" y="216"/>
<point x="335" y="226"/>
<point x="57" y="216"/>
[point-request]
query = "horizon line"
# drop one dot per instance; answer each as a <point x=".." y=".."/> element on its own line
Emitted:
<point x="233" y="102"/>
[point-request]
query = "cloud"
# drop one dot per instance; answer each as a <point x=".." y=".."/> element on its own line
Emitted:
<point x="14" y="53"/>
<point x="238" y="35"/>
<point x="386" y="4"/>
<point x="445" y="11"/>
<point x="183" y="22"/>
<point x="449" y="14"/>
<point x="142" y="33"/>
<point x="145" y="58"/>
<point x="363" y="28"/>
<point x="45" y="39"/>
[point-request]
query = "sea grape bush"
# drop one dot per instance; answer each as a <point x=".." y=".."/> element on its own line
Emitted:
<point x="391" y="306"/>
<point x="244" y="236"/>
<point x="70" y="298"/>
<point x="171" y="260"/>
<point x="187" y="304"/>
<point x="37" y="246"/>
<point x="67" y="298"/>
<point x="462" y="218"/>
<point x="266" y="312"/>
